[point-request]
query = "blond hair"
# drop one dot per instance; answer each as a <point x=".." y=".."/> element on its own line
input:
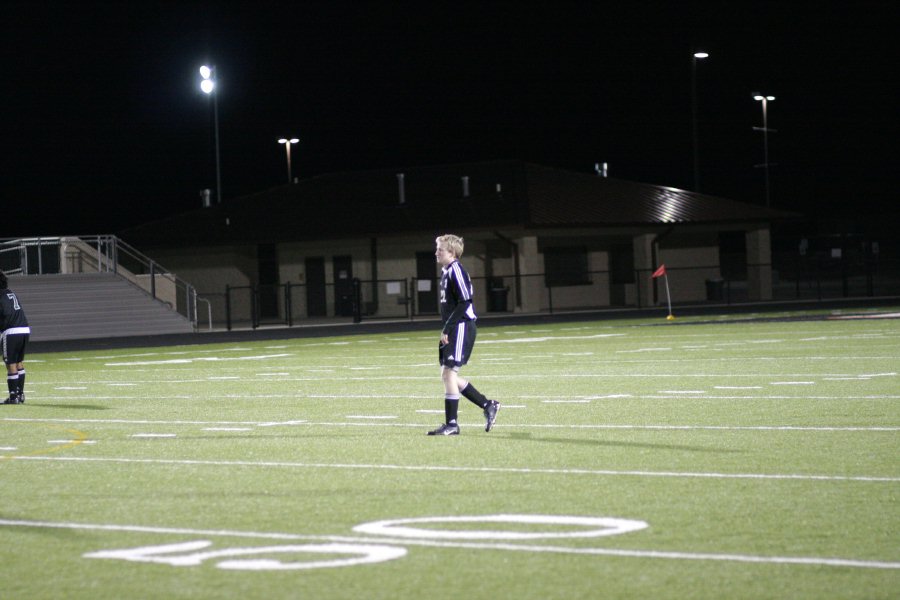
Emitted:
<point x="451" y="242"/>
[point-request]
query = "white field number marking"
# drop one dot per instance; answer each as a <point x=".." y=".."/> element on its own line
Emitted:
<point x="601" y="526"/>
<point x="167" y="554"/>
<point x="194" y="553"/>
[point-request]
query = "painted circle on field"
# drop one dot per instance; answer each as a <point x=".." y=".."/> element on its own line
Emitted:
<point x="576" y="527"/>
<point x="361" y="554"/>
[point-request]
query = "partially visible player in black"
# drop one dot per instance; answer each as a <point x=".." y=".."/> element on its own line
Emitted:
<point x="457" y="336"/>
<point x="15" y="334"/>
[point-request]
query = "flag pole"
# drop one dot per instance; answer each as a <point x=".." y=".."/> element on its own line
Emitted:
<point x="662" y="272"/>
<point x="671" y="317"/>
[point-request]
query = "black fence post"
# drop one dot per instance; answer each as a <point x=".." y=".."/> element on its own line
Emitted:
<point x="357" y="301"/>
<point x="288" y="309"/>
<point x="227" y="307"/>
<point x="254" y="306"/>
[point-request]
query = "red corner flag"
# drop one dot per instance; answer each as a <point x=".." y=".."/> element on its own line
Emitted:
<point x="659" y="272"/>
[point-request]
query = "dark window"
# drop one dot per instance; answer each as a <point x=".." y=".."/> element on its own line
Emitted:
<point x="566" y="266"/>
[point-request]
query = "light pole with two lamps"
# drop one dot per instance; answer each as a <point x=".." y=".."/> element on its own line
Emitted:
<point x="287" y="147"/>
<point x="208" y="86"/>
<point x="696" y="56"/>
<point x="765" y="129"/>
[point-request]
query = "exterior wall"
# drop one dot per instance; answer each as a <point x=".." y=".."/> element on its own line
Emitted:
<point x="209" y="270"/>
<point x="597" y="293"/>
<point x="691" y="259"/>
<point x="689" y="268"/>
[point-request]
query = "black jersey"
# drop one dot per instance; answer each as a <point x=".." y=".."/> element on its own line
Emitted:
<point x="456" y="296"/>
<point x="11" y="314"/>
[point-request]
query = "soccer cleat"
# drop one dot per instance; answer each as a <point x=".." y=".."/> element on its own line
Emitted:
<point x="11" y="400"/>
<point x="490" y="414"/>
<point x="445" y="430"/>
<point x="21" y="398"/>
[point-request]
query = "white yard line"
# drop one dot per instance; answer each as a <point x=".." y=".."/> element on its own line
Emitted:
<point x="452" y="469"/>
<point x="809" y="428"/>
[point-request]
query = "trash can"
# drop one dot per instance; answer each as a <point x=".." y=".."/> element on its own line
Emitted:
<point x="499" y="297"/>
<point x="715" y="289"/>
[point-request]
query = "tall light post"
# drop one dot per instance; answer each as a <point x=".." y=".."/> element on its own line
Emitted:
<point x="208" y="86"/>
<point x="765" y="129"/>
<point x="696" y="56"/>
<point x="287" y="148"/>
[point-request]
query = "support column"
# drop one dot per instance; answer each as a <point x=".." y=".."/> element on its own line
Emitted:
<point x="759" y="264"/>
<point x="644" y="267"/>
<point x="530" y="268"/>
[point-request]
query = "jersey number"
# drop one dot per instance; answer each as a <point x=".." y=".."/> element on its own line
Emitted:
<point x="15" y="301"/>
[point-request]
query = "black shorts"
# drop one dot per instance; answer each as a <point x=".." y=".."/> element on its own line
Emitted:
<point x="14" y="347"/>
<point x="456" y="352"/>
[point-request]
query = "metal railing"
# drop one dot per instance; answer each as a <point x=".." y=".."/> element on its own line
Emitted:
<point x="99" y="254"/>
<point x="291" y="304"/>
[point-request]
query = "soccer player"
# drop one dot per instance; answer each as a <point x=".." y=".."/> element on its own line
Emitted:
<point x="15" y="336"/>
<point x="457" y="336"/>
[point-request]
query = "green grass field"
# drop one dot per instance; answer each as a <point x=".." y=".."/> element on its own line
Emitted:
<point x="631" y="459"/>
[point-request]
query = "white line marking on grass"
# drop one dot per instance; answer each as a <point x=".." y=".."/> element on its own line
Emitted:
<point x="744" y="558"/>
<point x="375" y="417"/>
<point x="70" y="388"/>
<point x="8" y="448"/>
<point x="737" y="387"/>
<point x="812" y="428"/>
<point x="178" y="361"/>
<point x="153" y="435"/>
<point x="121" y="384"/>
<point x="222" y="378"/>
<point x="227" y="429"/>
<point x="681" y="392"/>
<point x="435" y="411"/>
<point x="451" y="469"/>
<point x="71" y="441"/>
<point x="273" y="374"/>
<point x="793" y="383"/>
<point x="565" y="401"/>
<point x="639" y="350"/>
<point x="551" y="338"/>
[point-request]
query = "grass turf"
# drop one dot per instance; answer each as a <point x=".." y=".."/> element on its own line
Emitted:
<point x="762" y="456"/>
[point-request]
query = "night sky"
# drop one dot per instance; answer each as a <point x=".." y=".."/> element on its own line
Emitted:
<point x="104" y="125"/>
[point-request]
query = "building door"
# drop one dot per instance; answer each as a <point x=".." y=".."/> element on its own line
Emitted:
<point x="343" y="285"/>
<point x="316" y="303"/>
<point x="427" y="283"/>
<point x="267" y="267"/>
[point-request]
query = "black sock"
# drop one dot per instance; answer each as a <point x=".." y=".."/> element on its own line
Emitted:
<point x="474" y="395"/>
<point x="21" y="381"/>
<point x="12" y="382"/>
<point x="451" y="408"/>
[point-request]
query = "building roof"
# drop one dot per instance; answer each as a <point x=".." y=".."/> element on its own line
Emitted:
<point x="496" y="194"/>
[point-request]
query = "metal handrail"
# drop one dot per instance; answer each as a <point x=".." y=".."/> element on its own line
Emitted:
<point x="108" y="254"/>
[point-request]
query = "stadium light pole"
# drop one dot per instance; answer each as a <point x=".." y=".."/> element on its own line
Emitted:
<point x="208" y="86"/>
<point x="696" y="56"/>
<point x="765" y="129"/>
<point x="287" y="147"/>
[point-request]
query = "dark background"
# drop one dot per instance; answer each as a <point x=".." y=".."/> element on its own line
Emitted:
<point x="104" y="126"/>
